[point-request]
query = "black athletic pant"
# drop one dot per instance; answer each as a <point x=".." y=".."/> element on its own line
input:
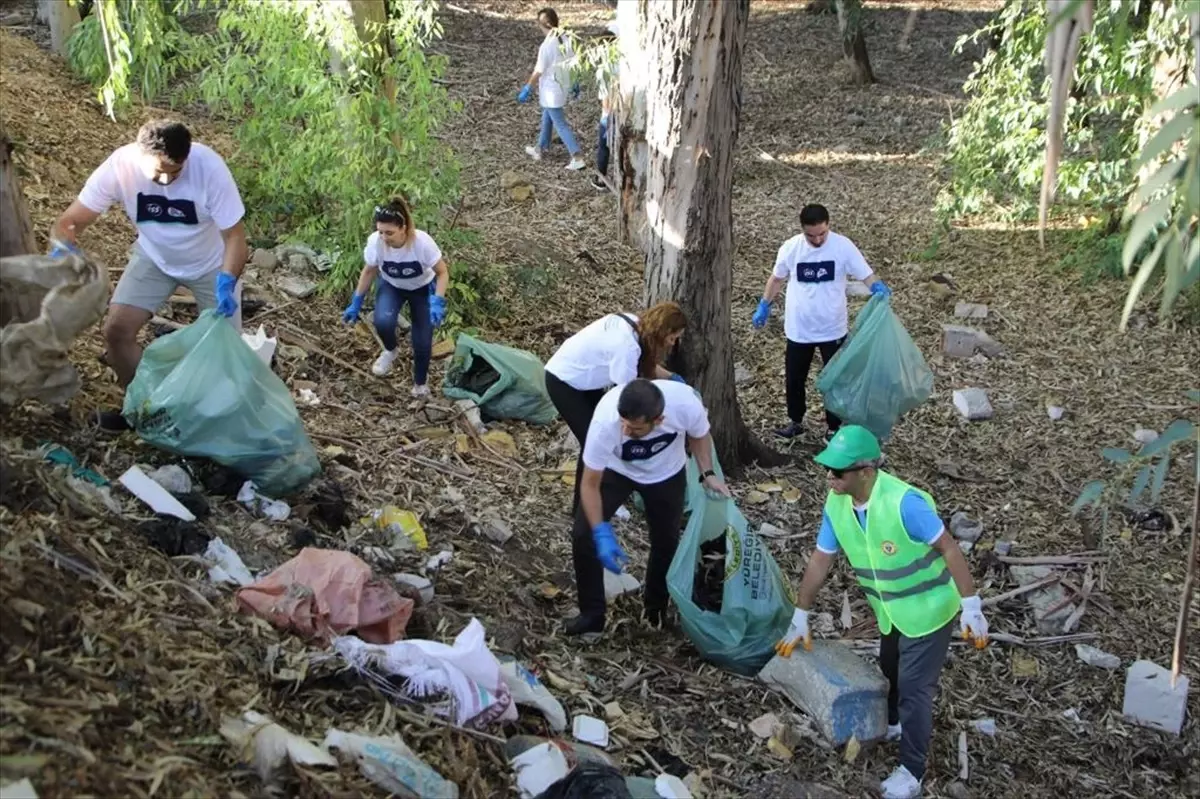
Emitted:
<point x="796" y="367"/>
<point x="664" y="516"/>
<point x="576" y="408"/>
<point x="912" y="667"/>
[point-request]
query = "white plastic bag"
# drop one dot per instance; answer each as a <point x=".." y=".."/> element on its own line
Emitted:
<point x="528" y="690"/>
<point x="226" y="565"/>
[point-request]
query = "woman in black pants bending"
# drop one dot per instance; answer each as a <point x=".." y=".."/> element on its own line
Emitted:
<point x="611" y="351"/>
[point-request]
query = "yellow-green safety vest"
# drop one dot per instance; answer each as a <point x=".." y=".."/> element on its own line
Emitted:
<point x="906" y="582"/>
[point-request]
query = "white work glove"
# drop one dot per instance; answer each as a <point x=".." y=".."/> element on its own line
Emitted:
<point x="974" y="625"/>
<point x="797" y="632"/>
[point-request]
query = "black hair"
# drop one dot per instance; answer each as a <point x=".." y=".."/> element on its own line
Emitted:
<point x="396" y="212"/>
<point x="641" y="400"/>
<point x="551" y="16"/>
<point x="813" y="214"/>
<point x="165" y="137"/>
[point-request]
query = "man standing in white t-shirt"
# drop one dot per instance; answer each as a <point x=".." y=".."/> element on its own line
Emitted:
<point x="552" y="74"/>
<point x="638" y="440"/>
<point x="814" y="266"/>
<point x="188" y="213"/>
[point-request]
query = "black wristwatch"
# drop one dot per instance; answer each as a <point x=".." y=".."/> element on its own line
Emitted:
<point x="707" y="474"/>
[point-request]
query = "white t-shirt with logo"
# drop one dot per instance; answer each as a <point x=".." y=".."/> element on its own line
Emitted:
<point x="179" y="225"/>
<point x="552" y="65"/>
<point x="655" y="457"/>
<point x="409" y="267"/>
<point x="815" y="309"/>
<point x="603" y="354"/>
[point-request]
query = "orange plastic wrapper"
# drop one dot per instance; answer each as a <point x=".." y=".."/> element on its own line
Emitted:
<point x="322" y="593"/>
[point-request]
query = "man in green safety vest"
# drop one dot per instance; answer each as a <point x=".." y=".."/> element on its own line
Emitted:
<point x="915" y="578"/>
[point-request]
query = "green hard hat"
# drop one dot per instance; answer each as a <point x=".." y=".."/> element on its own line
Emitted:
<point x="851" y="444"/>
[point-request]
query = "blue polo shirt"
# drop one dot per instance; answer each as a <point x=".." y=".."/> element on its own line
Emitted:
<point x="920" y="520"/>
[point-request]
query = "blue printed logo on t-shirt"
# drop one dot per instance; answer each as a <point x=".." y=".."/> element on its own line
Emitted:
<point x="402" y="270"/>
<point x="157" y="208"/>
<point x="815" y="271"/>
<point x="640" y="449"/>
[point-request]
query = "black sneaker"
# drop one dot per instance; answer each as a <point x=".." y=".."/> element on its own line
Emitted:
<point x="598" y="183"/>
<point x="584" y="625"/>
<point x="791" y="431"/>
<point x="110" y="422"/>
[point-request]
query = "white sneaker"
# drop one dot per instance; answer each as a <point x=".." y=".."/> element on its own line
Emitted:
<point x="534" y="152"/>
<point x="893" y="732"/>
<point x="420" y="391"/>
<point x="576" y="164"/>
<point x="901" y="785"/>
<point x="383" y="364"/>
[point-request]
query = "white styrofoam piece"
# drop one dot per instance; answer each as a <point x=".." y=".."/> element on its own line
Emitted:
<point x="158" y="498"/>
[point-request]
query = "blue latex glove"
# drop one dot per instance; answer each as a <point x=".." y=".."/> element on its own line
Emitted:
<point x="879" y="287"/>
<point x="761" y="313"/>
<point x="611" y="556"/>
<point x="575" y="88"/>
<point x="61" y="249"/>
<point x="437" y="310"/>
<point x="226" y="300"/>
<point x="679" y="379"/>
<point x="525" y="93"/>
<point x="350" y="315"/>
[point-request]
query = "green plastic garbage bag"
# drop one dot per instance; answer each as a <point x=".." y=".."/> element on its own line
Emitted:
<point x="878" y="375"/>
<point x="755" y="605"/>
<point x="201" y="392"/>
<point x="505" y="383"/>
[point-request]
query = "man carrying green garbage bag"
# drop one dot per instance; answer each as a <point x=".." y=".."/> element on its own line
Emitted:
<point x="814" y="266"/>
<point x="637" y="442"/>
<point x="915" y="579"/>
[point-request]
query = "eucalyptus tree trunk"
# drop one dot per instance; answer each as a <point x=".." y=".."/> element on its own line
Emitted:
<point x="854" y="43"/>
<point x="16" y="232"/>
<point x="62" y="17"/>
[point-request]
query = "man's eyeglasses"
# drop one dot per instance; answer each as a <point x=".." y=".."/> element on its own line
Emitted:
<point x="840" y="473"/>
<point x="388" y="215"/>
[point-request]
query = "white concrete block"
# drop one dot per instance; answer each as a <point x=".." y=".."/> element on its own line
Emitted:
<point x="970" y="310"/>
<point x="1151" y="701"/>
<point x="973" y="404"/>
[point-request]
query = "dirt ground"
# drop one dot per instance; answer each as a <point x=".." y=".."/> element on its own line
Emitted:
<point x="119" y="661"/>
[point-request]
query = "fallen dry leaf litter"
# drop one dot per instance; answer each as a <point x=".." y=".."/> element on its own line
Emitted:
<point x="120" y="661"/>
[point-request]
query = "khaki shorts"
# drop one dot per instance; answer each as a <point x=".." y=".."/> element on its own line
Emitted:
<point x="145" y="286"/>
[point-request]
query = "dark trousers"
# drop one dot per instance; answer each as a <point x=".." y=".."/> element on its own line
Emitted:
<point x="576" y="408"/>
<point x="388" y="302"/>
<point x="664" y="516"/>
<point x="796" y="367"/>
<point x="913" y="667"/>
<point x="602" y="153"/>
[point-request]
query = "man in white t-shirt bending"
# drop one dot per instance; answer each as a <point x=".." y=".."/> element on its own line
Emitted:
<point x="638" y="440"/>
<point x="188" y="213"/>
<point x="814" y="266"/>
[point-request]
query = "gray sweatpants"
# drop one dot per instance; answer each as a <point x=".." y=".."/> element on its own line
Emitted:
<point x="913" y="667"/>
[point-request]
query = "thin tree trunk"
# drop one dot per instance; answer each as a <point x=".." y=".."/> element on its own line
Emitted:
<point x="909" y="24"/>
<point x="16" y="232"/>
<point x="854" y="43"/>
<point x="62" y="17"/>
<point x="676" y="131"/>
<point x="370" y="21"/>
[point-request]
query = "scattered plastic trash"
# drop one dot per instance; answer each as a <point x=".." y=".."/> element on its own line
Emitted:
<point x="323" y="593"/>
<point x="308" y="397"/>
<point x="227" y="566"/>
<point x="172" y="477"/>
<point x="623" y="513"/>
<point x="506" y="383"/>
<point x="592" y="781"/>
<point x="590" y="730"/>
<point x="1097" y="657"/>
<point x="267" y="745"/>
<point x="60" y="456"/>
<point x="527" y="689"/>
<point x="201" y="392"/>
<point x="274" y="509"/>
<point x="616" y="585"/>
<point x="471" y="417"/>
<point x="421" y="586"/>
<point x="262" y="346"/>
<point x="403" y="525"/>
<point x="154" y="495"/>
<point x="389" y="763"/>
<point x="467" y="672"/>
<point x="985" y="727"/>
<point x="438" y="561"/>
<point x="755" y="607"/>
<point x="22" y="789"/>
<point x="878" y="375"/>
<point x="671" y="787"/>
<point x="539" y="768"/>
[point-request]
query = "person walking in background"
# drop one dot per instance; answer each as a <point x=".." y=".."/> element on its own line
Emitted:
<point x="182" y="199"/>
<point x="606" y="87"/>
<point x="915" y="578"/>
<point x="814" y="266"/>
<point x="611" y="351"/>
<point x="406" y="266"/>
<point x="638" y="441"/>
<point x="552" y="76"/>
